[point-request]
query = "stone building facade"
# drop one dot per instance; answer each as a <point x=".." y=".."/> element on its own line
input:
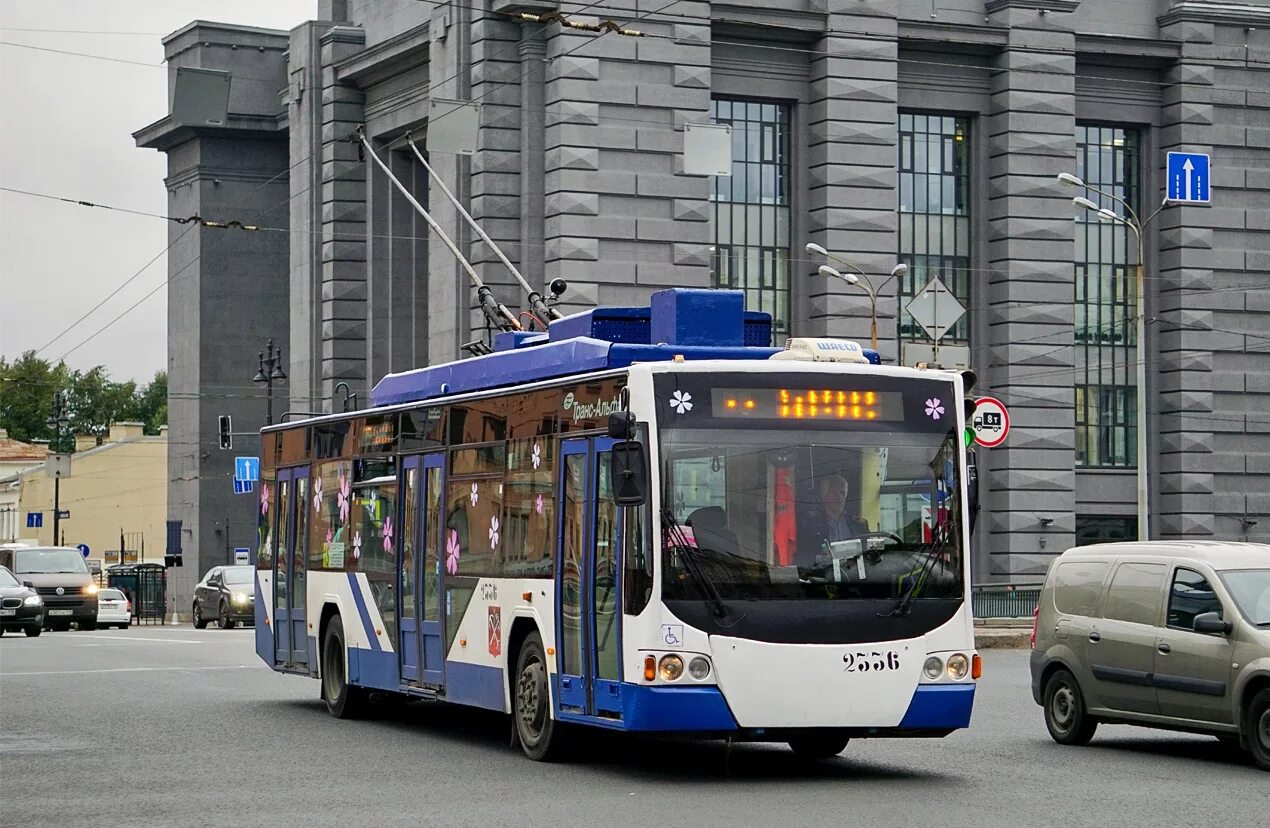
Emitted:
<point x="883" y="130"/>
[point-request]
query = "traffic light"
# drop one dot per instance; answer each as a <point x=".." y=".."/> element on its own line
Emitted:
<point x="968" y="405"/>
<point x="226" y="435"/>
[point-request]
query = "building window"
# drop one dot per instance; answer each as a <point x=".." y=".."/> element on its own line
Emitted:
<point x="1107" y="158"/>
<point x="752" y="209"/>
<point x="934" y="167"/>
<point x="1101" y="529"/>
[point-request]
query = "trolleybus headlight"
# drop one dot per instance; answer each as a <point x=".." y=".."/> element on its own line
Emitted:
<point x="933" y="668"/>
<point x="671" y="667"/>
<point x="699" y="668"/>
<point x="958" y="667"/>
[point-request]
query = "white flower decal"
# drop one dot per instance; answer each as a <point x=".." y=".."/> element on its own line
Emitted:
<point x="681" y="401"/>
<point x="934" y="408"/>
<point x="317" y="495"/>
<point x="537" y="456"/>
<point x="357" y="545"/>
<point x="493" y="534"/>
<point x="476" y="495"/>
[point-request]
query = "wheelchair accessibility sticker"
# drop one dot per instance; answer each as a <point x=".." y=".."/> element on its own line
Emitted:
<point x="672" y="635"/>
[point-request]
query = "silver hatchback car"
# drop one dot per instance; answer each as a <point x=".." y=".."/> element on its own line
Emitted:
<point x="1169" y="634"/>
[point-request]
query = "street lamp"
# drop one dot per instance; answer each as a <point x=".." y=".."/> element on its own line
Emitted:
<point x="57" y="421"/>
<point x="854" y="280"/>
<point x="270" y="370"/>
<point x="1138" y="227"/>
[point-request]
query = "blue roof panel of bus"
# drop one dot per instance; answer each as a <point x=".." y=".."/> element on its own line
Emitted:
<point x="694" y="324"/>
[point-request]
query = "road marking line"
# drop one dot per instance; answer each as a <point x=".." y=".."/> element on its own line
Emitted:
<point x="138" y="638"/>
<point x="134" y="670"/>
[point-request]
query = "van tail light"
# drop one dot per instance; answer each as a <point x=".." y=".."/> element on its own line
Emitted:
<point x="1036" y="613"/>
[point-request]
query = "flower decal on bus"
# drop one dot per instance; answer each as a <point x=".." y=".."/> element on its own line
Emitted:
<point x="536" y="458"/>
<point x="476" y="495"/>
<point x="681" y="401"/>
<point x="538" y="504"/>
<point x="317" y="496"/>
<point x="342" y="498"/>
<point x="264" y="499"/>
<point x="357" y="545"/>
<point x="387" y="531"/>
<point x="330" y="536"/>
<point x="452" y="552"/>
<point x="934" y="408"/>
<point x="493" y="533"/>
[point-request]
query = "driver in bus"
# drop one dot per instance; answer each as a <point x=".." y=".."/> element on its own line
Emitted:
<point x="829" y="521"/>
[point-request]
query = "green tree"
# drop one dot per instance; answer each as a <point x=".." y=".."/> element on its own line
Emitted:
<point x="151" y="403"/>
<point x="27" y="387"/>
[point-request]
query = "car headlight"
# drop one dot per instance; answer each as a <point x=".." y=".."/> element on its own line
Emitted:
<point x="958" y="667"/>
<point x="699" y="668"/>
<point x="671" y="667"/>
<point x="90" y="589"/>
<point x="240" y="597"/>
<point x="933" y="668"/>
<point x="32" y="601"/>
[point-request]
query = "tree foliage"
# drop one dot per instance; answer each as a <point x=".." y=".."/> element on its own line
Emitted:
<point x="92" y="401"/>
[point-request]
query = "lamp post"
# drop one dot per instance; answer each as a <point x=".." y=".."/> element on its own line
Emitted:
<point x="270" y="370"/>
<point x="57" y="421"/>
<point x="854" y="280"/>
<point x="1137" y="227"/>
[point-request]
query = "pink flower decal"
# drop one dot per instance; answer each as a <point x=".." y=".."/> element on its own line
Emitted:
<point x="317" y="495"/>
<point x="388" y="535"/>
<point x="264" y="499"/>
<point x="538" y="504"/>
<point x="342" y="498"/>
<point x="476" y="495"/>
<point x="493" y="533"/>
<point x="452" y="552"/>
<point x="357" y="545"/>
<point x="537" y="456"/>
<point x="934" y="408"/>
<point x="330" y="536"/>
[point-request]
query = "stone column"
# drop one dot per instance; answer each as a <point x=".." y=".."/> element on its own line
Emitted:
<point x="1029" y="293"/>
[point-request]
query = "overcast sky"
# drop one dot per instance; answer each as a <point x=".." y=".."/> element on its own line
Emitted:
<point x="67" y="131"/>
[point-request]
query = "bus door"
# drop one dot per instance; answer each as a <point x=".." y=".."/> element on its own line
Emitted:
<point x="290" y="637"/>
<point x="409" y="596"/>
<point x="429" y="566"/>
<point x="587" y="582"/>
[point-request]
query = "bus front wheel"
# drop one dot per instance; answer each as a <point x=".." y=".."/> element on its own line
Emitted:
<point x="342" y="700"/>
<point x="540" y="735"/>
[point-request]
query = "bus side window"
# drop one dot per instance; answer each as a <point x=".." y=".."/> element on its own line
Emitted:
<point x="637" y="572"/>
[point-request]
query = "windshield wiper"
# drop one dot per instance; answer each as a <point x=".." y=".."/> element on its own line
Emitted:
<point x="934" y="552"/>
<point x="688" y="554"/>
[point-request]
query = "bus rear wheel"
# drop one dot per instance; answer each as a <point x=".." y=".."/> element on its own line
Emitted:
<point x="342" y="700"/>
<point x="816" y="746"/>
<point x="540" y="735"/>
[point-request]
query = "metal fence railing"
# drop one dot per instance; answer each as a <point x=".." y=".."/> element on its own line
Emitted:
<point x="1005" y="600"/>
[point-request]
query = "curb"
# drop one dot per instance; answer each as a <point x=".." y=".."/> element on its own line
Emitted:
<point x="1003" y="639"/>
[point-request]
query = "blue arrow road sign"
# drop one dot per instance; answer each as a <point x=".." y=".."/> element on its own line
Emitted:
<point x="1189" y="181"/>
<point x="243" y="487"/>
<point x="83" y="549"/>
<point x="35" y="520"/>
<point x="247" y="468"/>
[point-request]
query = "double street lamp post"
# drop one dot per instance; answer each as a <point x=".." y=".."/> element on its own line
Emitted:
<point x="1138" y="228"/>
<point x="854" y="280"/>
<point x="270" y="370"/>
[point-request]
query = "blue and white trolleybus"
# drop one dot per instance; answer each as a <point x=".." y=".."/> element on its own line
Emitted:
<point x="643" y="519"/>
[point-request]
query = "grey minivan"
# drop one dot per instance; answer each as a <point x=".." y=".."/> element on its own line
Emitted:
<point x="1167" y="634"/>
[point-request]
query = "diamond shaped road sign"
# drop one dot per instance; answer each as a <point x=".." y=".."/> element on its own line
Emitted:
<point x="935" y="309"/>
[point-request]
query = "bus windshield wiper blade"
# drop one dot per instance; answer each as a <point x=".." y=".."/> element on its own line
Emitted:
<point x="933" y="552"/>
<point x="688" y="553"/>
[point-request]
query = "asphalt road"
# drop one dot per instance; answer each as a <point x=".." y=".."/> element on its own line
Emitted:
<point x="183" y="727"/>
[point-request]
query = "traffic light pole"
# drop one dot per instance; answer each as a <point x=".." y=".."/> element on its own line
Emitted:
<point x="57" y="509"/>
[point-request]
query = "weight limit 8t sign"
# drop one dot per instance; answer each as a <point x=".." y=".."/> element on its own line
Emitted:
<point x="991" y="422"/>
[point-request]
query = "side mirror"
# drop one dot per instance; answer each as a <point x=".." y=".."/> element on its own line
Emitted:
<point x="1211" y="622"/>
<point x="28" y="584"/>
<point x="621" y="425"/>
<point x="629" y="473"/>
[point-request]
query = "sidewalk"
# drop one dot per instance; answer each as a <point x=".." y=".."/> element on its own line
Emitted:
<point x="1003" y="634"/>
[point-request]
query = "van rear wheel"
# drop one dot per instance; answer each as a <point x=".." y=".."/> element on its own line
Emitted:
<point x="1257" y="728"/>
<point x="1066" y="718"/>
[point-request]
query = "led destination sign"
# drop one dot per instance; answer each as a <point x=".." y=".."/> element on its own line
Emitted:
<point x="807" y="404"/>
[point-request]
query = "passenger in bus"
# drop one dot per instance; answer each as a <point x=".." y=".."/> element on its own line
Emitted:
<point x="828" y="521"/>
